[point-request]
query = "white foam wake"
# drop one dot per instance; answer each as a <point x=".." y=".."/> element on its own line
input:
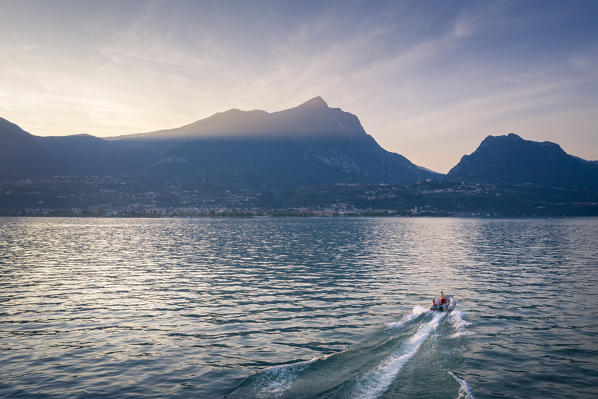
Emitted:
<point x="460" y="325"/>
<point x="464" y="389"/>
<point x="379" y="379"/>
<point x="273" y="381"/>
<point x="407" y="317"/>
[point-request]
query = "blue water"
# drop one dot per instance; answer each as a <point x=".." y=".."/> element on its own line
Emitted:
<point x="298" y="308"/>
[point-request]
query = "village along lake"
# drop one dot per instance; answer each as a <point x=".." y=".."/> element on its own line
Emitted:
<point x="298" y="308"/>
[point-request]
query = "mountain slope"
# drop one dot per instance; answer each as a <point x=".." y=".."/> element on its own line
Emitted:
<point x="309" y="144"/>
<point x="312" y="118"/>
<point x="512" y="160"/>
<point x="22" y="154"/>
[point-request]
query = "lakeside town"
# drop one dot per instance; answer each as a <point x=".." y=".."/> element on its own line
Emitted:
<point x="110" y="196"/>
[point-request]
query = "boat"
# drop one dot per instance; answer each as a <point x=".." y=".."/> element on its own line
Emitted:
<point x="448" y="306"/>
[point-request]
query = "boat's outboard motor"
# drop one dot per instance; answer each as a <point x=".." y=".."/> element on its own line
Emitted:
<point x="435" y="303"/>
<point x="450" y="304"/>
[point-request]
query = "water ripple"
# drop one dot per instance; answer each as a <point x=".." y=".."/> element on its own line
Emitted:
<point x="304" y="307"/>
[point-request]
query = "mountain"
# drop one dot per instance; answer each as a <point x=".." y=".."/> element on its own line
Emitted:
<point x="22" y="153"/>
<point x="25" y="155"/>
<point x="309" y="144"/>
<point x="512" y="160"/>
<point x="311" y="119"/>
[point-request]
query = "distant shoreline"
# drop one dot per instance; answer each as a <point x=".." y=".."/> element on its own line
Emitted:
<point x="111" y="197"/>
<point x="291" y="216"/>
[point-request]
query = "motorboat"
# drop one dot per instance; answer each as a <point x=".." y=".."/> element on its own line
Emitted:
<point x="447" y="306"/>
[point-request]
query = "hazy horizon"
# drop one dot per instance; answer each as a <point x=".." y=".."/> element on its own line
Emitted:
<point x="428" y="81"/>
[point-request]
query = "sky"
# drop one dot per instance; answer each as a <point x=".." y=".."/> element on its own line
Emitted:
<point x="427" y="79"/>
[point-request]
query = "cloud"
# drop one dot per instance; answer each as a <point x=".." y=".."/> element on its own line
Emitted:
<point x="426" y="80"/>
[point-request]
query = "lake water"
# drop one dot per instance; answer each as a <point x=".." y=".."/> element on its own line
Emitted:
<point x="298" y="308"/>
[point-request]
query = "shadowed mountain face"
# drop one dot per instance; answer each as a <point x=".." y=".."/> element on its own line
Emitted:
<point x="308" y="144"/>
<point x="21" y="153"/>
<point x="513" y="160"/>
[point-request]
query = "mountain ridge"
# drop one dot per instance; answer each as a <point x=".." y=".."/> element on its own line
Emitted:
<point x="307" y="144"/>
<point x="311" y="143"/>
<point x="510" y="159"/>
<point x="258" y="123"/>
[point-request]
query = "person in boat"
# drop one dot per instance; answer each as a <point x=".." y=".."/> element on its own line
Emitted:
<point x="443" y="301"/>
<point x="433" y="306"/>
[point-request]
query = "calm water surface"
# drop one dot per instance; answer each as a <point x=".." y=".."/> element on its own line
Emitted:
<point x="298" y="308"/>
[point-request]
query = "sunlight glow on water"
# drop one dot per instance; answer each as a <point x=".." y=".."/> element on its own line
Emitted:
<point x="207" y="308"/>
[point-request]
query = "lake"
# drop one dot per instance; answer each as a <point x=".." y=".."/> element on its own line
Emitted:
<point x="298" y="308"/>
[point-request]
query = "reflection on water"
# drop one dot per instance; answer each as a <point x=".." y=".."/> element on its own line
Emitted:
<point x="207" y="308"/>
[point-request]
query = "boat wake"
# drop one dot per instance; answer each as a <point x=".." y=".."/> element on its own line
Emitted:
<point x="372" y="369"/>
<point x="459" y="324"/>
<point x="378" y="380"/>
<point x="418" y="310"/>
<point x="275" y="380"/>
<point x="464" y="389"/>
